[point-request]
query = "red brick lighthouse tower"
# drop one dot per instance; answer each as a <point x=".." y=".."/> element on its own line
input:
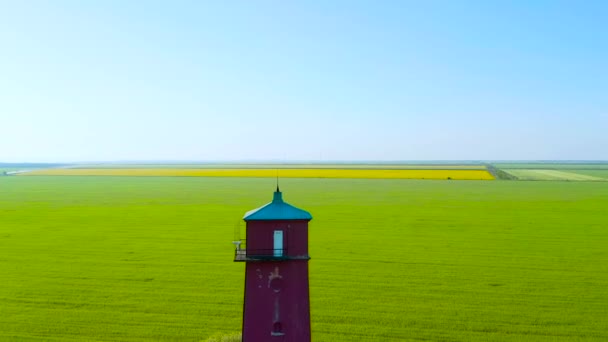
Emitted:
<point x="276" y="306"/>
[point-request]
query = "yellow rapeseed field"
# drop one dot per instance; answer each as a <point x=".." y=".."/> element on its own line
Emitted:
<point x="283" y="173"/>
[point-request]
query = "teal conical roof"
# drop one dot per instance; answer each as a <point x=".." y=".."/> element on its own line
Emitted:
<point x="277" y="210"/>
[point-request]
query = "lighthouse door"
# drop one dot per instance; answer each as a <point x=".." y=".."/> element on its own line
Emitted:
<point x="278" y="243"/>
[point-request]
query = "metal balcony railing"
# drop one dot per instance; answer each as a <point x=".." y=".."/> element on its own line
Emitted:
<point x="243" y="254"/>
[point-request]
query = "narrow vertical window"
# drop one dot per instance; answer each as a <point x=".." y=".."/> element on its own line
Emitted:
<point x="277" y="329"/>
<point x="278" y="243"/>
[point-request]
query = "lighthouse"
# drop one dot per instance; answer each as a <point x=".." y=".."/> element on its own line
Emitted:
<point x="276" y="305"/>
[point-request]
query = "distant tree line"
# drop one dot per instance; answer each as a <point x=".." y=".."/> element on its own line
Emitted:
<point x="499" y="174"/>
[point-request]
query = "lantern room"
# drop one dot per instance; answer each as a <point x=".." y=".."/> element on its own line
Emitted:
<point x="275" y="231"/>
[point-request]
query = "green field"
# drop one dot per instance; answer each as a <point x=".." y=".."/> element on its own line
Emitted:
<point x="554" y="166"/>
<point x="556" y="171"/>
<point x="563" y="174"/>
<point x="3" y="169"/>
<point x="594" y="173"/>
<point x="150" y="258"/>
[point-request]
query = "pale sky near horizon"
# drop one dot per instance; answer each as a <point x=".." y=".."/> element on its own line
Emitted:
<point x="303" y="80"/>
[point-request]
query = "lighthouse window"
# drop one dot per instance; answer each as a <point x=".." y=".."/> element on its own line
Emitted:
<point x="278" y="243"/>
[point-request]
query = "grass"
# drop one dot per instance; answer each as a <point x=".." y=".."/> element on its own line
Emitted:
<point x="3" y="169"/>
<point x="595" y="173"/>
<point x="236" y="337"/>
<point x="555" y="166"/>
<point x="149" y="258"/>
<point x="540" y="174"/>
<point x="286" y="173"/>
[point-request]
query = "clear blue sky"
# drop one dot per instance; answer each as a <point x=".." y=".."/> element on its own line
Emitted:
<point x="303" y="80"/>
